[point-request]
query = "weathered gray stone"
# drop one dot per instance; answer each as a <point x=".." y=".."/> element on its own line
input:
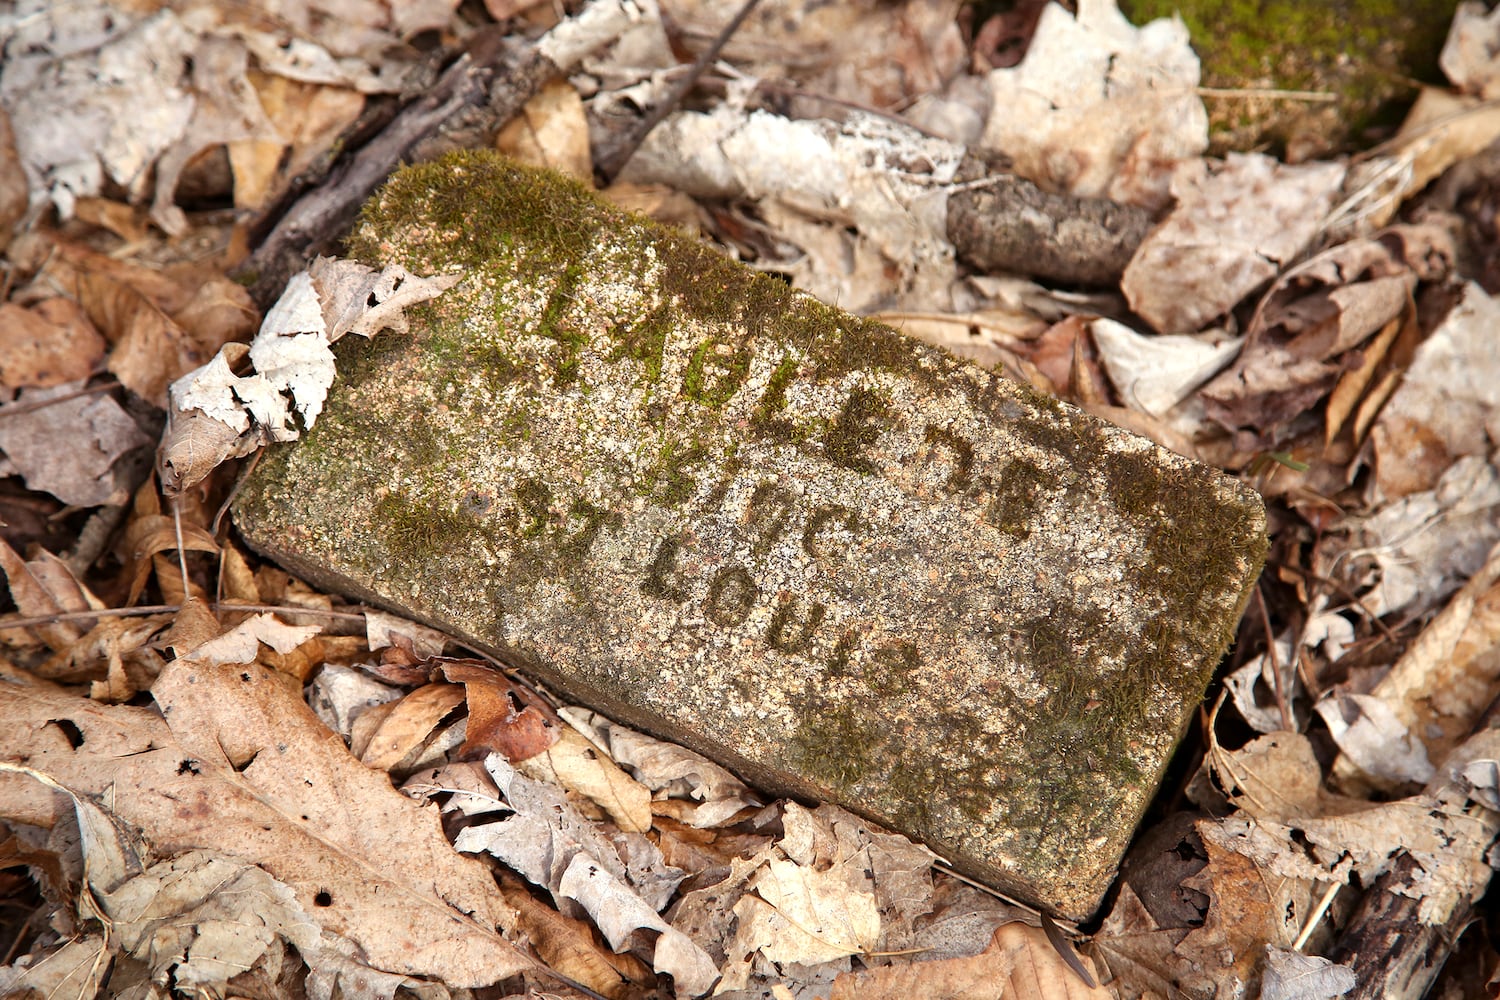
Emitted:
<point x="846" y="565"/>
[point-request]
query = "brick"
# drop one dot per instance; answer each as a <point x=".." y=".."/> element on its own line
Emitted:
<point x="848" y="566"/>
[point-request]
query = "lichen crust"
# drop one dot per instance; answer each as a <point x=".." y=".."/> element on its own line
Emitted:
<point x="847" y="565"/>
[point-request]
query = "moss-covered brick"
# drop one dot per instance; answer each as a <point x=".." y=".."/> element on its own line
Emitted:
<point x="846" y="565"/>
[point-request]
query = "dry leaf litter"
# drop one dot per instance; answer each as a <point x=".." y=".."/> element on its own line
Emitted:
<point x="250" y="788"/>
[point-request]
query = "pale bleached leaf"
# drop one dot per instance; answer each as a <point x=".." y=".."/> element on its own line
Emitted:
<point x="878" y="174"/>
<point x="339" y="694"/>
<point x="84" y="113"/>
<point x="1483" y="776"/>
<point x="211" y="390"/>
<point x="540" y="838"/>
<point x="618" y="913"/>
<point x="1441" y="686"/>
<point x="202" y="919"/>
<point x="69" y="448"/>
<point x="381" y="628"/>
<point x="799" y="914"/>
<point x="1448" y="404"/>
<point x="1374" y="739"/>
<point x="301" y="58"/>
<point x="293" y="361"/>
<point x="1154" y="374"/>
<point x="78" y="968"/>
<point x="1291" y="975"/>
<point x="1425" y="545"/>
<point x="111" y="853"/>
<point x="356" y="299"/>
<point x="1340" y="837"/>
<point x="1099" y="107"/>
<point x="597" y="25"/>
<point x="1252" y="687"/>
<point x="1469" y="58"/>
<point x="668" y="769"/>
<point x="525" y="842"/>
<point x="574" y="763"/>
<point x="241" y="643"/>
<point x="1233" y="228"/>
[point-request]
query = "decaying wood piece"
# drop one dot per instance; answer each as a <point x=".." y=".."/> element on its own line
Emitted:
<point x="1006" y="223"/>
<point x="1404" y="930"/>
<point x="1392" y="953"/>
<point x="482" y="90"/>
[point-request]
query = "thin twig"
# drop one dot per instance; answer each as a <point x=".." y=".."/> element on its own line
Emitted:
<point x="1220" y="761"/>
<point x="787" y="90"/>
<point x="611" y="167"/>
<point x="1064" y="949"/>
<point x="1426" y="128"/>
<point x="1275" y="658"/>
<point x="951" y="872"/>
<point x="187" y="585"/>
<point x="16" y="409"/>
<point x="1313" y="96"/>
<point x="1314" y="918"/>
<point x="492" y="76"/>
<point x="1305" y="671"/>
<point x="7" y="624"/>
<point x="1344" y="592"/>
<point x="234" y="492"/>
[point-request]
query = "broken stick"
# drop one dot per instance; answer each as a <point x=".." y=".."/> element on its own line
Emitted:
<point x="483" y="89"/>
